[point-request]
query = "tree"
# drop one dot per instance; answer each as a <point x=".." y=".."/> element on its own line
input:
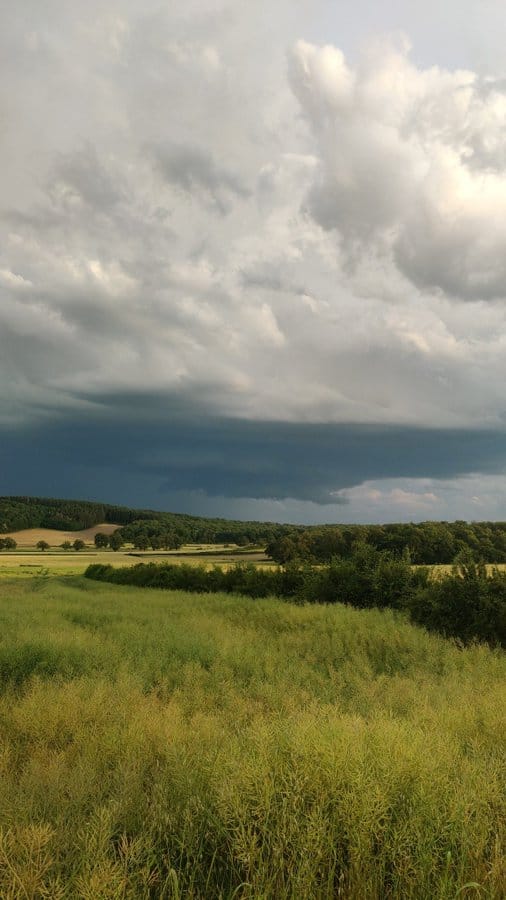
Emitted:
<point x="8" y="543"/>
<point x="66" y="545"/>
<point x="42" y="545"/>
<point x="78" y="544"/>
<point x="101" y="540"/>
<point x="115" y="541"/>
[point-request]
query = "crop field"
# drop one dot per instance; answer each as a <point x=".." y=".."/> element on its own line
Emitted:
<point x="27" y="561"/>
<point x="161" y="744"/>
<point x="29" y="536"/>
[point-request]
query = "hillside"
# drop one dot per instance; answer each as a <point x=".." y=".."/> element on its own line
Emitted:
<point x="428" y="543"/>
<point x="28" y="537"/>
<point x="21" y="513"/>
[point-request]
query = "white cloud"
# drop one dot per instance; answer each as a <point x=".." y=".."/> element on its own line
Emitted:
<point x="171" y="221"/>
<point x="473" y="497"/>
<point x="412" y="164"/>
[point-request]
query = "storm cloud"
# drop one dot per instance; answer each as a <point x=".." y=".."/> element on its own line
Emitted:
<point x="267" y="244"/>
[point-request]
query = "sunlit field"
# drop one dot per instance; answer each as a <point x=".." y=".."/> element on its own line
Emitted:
<point x="27" y="561"/>
<point x="157" y="744"/>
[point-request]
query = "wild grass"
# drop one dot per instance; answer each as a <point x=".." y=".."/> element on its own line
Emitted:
<point x="160" y="744"/>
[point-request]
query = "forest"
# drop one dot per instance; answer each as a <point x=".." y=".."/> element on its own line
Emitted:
<point x="428" y="543"/>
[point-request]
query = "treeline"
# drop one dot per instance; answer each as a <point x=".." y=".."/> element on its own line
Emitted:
<point x="18" y="513"/>
<point x="428" y="543"/>
<point x="467" y="605"/>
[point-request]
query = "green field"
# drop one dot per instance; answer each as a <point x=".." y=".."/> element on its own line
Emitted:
<point x="28" y="562"/>
<point x="157" y="744"/>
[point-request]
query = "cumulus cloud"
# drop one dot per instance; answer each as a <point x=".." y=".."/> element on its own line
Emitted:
<point x="185" y="216"/>
<point x="412" y="162"/>
<point x="194" y="169"/>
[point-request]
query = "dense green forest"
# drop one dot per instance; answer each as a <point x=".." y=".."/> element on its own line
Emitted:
<point x="428" y="543"/>
<point x="17" y="513"/>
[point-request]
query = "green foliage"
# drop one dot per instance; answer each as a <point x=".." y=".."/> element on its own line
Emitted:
<point x="155" y="744"/>
<point x="469" y="604"/>
<point x="8" y="543"/>
<point x="42" y="545"/>
<point x="101" y="540"/>
<point x="78" y="544"/>
<point x="428" y="543"/>
<point x="116" y="541"/>
<point x="17" y="513"/>
<point x="172" y="529"/>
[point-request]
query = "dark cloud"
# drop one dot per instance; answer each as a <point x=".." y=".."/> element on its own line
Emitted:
<point x="200" y="247"/>
<point x="82" y="176"/>
<point x="183" y="454"/>
<point x="194" y="169"/>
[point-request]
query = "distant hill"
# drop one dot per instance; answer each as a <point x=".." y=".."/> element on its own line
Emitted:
<point x="427" y="542"/>
<point x="20" y="513"/>
<point x="28" y="537"/>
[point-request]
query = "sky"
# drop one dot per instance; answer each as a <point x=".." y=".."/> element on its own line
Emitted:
<point x="253" y="256"/>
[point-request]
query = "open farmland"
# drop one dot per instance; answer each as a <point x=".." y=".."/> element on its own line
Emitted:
<point x="28" y="537"/>
<point x="26" y="561"/>
<point x="160" y="744"/>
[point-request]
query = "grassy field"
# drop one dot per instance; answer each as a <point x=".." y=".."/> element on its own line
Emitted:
<point x="26" y="562"/>
<point x="157" y="744"/>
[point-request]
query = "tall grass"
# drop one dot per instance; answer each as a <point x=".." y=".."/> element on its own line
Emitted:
<point x="160" y="744"/>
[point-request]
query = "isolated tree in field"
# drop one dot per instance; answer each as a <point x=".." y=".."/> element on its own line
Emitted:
<point x="66" y="545"/>
<point x="115" y="541"/>
<point x="42" y="545"/>
<point x="8" y="543"/>
<point x="101" y="540"/>
<point x="78" y="544"/>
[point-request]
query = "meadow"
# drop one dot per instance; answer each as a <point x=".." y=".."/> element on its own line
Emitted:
<point x="27" y="561"/>
<point x="158" y="744"/>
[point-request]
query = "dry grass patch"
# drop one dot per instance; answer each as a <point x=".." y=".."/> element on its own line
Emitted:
<point x="29" y="536"/>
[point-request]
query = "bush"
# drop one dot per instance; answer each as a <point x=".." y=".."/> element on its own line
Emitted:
<point x="468" y="604"/>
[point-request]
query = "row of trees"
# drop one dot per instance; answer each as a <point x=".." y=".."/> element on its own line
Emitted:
<point x="144" y="535"/>
<point x="115" y="540"/>
<point x="77" y="545"/>
<point x="429" y="543"/>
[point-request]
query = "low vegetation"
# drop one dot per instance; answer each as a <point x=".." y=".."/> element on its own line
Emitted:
<point x="165" y="744"/>
<point x="469" y="603"/>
